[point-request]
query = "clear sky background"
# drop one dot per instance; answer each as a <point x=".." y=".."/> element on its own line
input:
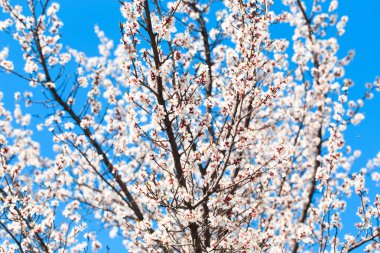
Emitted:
<point x="362" y="34"/>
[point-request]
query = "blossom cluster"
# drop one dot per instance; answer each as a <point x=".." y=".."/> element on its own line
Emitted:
<point x="197" y="132"/>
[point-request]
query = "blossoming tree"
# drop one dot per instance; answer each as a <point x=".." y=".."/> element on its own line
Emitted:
<point x="197" y="132"/>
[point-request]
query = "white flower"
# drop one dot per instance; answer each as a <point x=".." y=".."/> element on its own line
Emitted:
<point x="333" y="5"/>
<point x="83" y="82"/>
<point x="65" y="58"/>
<point x="213" y="33"/>
<point x="5" y="24"/>
<point x="54" y="7"/>
<point x="30" y="66"/>
<point x="7" y="65"/>
<point x="2" y="140"/>
<point x="113" y="232"/>
<point x="50" y="85"/>
<point x="357" y="118"/>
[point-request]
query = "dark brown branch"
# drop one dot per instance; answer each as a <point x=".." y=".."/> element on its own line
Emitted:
<point x="357" y="245"/>
<point x="161" y="101"/>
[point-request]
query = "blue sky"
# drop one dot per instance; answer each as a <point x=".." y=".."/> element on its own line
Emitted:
<point x="362" y="34"/>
